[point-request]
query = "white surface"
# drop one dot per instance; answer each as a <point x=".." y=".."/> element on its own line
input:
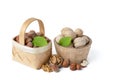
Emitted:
<point x="100" y="20"/>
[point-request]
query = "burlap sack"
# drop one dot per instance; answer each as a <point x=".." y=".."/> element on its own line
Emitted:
<point x="33" y="57"/>
<point x="75" y="55"/>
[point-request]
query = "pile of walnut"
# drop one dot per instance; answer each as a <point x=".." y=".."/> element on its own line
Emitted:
<point x="78" y="39"/>
<point x="56" y="62"/>
<point x="29" y="37"/>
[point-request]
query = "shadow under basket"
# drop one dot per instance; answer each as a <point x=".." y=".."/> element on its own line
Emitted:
<point x="33" y="57"/>
<point x="74" y="55"/>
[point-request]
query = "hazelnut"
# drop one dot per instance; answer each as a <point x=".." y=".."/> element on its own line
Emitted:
<point x="32" y="34"/>
<point x="38" y="34"/>
<point x="58" y="38"/>
<point x="84" y="63"/>
<point x="29" y="44"/>
<point x="73" y="66"/>
<point x="78" y="66"/>
<point x="17" y="39"/>
<point x="65" y="63"/>
<point x="79" y="32"/>
<point x="28" y="40"/>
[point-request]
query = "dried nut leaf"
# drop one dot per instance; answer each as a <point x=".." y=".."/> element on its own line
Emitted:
<point x="84" y="63"/>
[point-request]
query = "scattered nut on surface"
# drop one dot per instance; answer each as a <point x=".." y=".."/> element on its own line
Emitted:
<point x="78" y="67"/>
<point x="46" y="68"/>
<point x="58" y="38"/>
<point x="53" y="59"/>
<point x="79" y="32"/>
<point x="55" y="68"/>
<point x="65" y="63"/>
<point x="56" y="60"/>
<point x="84" y="63"/>
<point x="73" y="66"/>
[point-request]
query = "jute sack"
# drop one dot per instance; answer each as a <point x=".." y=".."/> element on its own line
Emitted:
<point x="74" y="55"/>
<point x="33" y="57"/>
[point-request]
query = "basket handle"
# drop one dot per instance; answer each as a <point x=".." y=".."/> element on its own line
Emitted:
<point x="24" y="27"/>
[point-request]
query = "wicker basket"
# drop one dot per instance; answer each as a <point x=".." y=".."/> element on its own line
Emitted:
<point x="33" y="57"/>
<point x="75" y="55"/>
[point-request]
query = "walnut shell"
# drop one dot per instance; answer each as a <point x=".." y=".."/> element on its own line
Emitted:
<point x="66" y="29"/>
<point x="69" y="34"/>
<point x="80" y="41"/>
<point x="79" y="32"/>
<point x="84" y="63"/>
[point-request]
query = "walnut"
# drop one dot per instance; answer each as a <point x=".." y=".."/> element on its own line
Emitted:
<point x="56" y="60"/>
<point x="47" y="68"/>
<point x="65" y="29"/>
<point x="73" y="66"/>
<point x="68" y="32"/>
<point x="80" y="41"/>
<point x="79" y="32"/>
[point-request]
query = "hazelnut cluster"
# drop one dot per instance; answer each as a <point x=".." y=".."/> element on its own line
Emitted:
<point x="29" y="38"/>
<point x="56" y="62"/>
<point x="74" y="66"/>
<point x="78" y="39"/>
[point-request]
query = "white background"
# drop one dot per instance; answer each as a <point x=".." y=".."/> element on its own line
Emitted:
<point x="99" y="19"/>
